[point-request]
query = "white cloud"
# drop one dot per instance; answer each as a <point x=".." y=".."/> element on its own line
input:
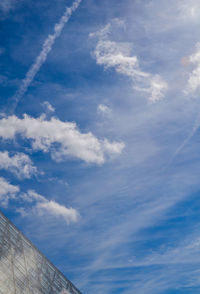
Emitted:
<point x="19" y="164"/>
<point x="39" y="204"/>
<point x="45" y="133"/>
<point x="112" y="148"/>
<point x="194" y="77"/>
<point x="47" y="46"/>
<point x="42" y="205"/>
<point x="54" y="208"/>
<point x="104" y="109"/>
<point x="105" y="31"/>
<point x="7" y="192"/>
<point x="48" y="107"/>
<point x="32" y="196"/>
<point x="117" y="55"/>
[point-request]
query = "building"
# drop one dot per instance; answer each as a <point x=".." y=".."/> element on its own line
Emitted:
<point x="25" y="270"/>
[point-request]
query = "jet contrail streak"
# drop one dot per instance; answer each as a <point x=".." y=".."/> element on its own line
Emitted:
<point x="189" y="137"/>
<point x="46" y="48"/>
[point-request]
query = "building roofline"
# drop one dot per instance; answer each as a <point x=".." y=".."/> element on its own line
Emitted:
<point x="11" y="223"/>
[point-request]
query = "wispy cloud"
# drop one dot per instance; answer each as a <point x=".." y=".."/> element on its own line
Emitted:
<point x="45" y="133"/>
<point x="19" y="164"/>
<point x="48" y="107"/>
<point x="132" y="210"/>
<point x="193" y="85"/>
<point x="182" y="258"/>
<point x="104" y="109"/>
<point x="147" y="210"/>
<point x="117" y="55"/>
<point x="188" y="138"/>
<point x="47" y="46"/>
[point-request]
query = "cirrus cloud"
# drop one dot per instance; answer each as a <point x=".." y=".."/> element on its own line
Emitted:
<point x="118" y="55"/>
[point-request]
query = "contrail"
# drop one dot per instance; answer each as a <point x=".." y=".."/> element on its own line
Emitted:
<point x="189" y="137"/>
<point x="46" y="48"/>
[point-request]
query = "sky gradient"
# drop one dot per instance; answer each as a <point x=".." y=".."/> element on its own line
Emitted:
<point x="99" y="130"/>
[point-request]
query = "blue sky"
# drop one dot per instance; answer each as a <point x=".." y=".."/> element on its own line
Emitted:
<point x="99" y="130"/>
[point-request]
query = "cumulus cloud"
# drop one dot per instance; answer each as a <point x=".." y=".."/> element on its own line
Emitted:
<point x="118" y="55"/>
<point x="194" y="77"/>
<point x="7" y="192"/>
<point x="63" y="139"/>
<point x="42" y="205"/>
<point x="47" y="46"/>
<point x="54" y="208"/>
<point x="19" y="164"/>
<point x="38" y="203"/>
